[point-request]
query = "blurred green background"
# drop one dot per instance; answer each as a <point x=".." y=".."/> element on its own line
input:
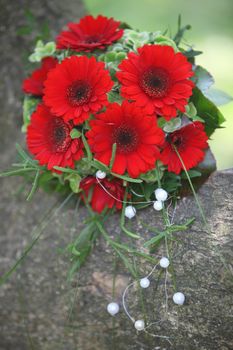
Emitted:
<point x="212" y="33"/>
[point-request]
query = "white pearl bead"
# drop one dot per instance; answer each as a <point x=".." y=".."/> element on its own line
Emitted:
<point x="158" y="205"/>
<point x="161" y="194"/>
<point x="113" y="308"/>
<point x="100" y="174"/>
<point x="164" y="262"/>
<point x="130" y="211"/>
<point x="139" y="325"/>
<point x="179" y="298"/>
<point x="144" y="282"/>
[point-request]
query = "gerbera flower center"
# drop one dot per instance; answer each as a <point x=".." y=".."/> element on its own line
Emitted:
<point x="176" y="140"/>
<point x="59" y="135"/>
<point x="126" y="138"/>
<point x="92" y="39"/>
<point x="79" y="93"/>
<point x="155" y="82"/>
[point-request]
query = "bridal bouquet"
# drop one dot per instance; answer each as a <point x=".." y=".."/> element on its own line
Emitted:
<point x="121" y="120"/>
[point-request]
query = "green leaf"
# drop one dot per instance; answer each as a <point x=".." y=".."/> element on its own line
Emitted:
<point x="191" y="111"/>
<point x="110" y="56"/>
<point x="114" y="97"/>
<point x="87" y="148"/>
<point x="26" y="157"/>
<point x="126" y="178"/>
<point x="66" y="170"/>
<point x="150" y="176"/>
<point x="192" y="53"/>
<point x="42" y="50"/>
<point x="34" y="185"/>
<point x="218" y="97"/>
<point x="16" y="172"/>
<point x="74" y="181"/>
<point x="203" y="79"/>
<point x="120" y="56"/>
<point x="114" y="148"/>
<point x="161" y="122"/>
<point x="207" y="111"/>
<point x="180" y="32"/>
<point x="192" y="174"/>
<point x="171" y="182"/>
<point x="29" y="106"/>
<point x="164" y="40"/>
<point x="155" y="239"/>
<point x="81" y="248"/>
<point x="75" y="134"/>
<point x="172" y="125"/>
<point x="100" y="166"/>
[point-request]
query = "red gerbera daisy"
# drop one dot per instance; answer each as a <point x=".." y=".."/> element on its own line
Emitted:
<point x="157" y="78"/>
<point x="34" y="84"/>
<point x="136" y="135"/>
<point x="48" y="139"/>
<point x="100" y="199"/>
<point x="90" y="34"/>
<point x="77" y="87"/>
<point x="190" y="142"/>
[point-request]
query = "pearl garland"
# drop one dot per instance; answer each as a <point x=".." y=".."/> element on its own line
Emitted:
<point x="145" y="282"/>
<point x="130" y="211"/>
<point x="139" y="325"/>
<point x="179" y="298"/>
<point x="164" y="262"/>
<point x="161" y="194"/>
<point x="113" y="308"/>
<point x="100" y="174"/>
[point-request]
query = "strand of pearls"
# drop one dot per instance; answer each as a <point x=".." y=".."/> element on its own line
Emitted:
<point x="130" y="211"/>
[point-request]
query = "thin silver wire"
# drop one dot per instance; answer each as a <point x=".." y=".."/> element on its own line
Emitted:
<point x="117" y="199"/>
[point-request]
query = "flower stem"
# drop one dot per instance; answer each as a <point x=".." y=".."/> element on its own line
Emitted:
<point x="191" y="186"/>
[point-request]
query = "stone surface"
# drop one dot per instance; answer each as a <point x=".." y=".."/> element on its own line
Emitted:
<point x="39" y="309"/>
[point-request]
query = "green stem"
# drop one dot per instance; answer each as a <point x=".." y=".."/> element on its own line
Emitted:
<point x="36" y="237"/>
<point x="122" y="220"/>
<point x="191" y="186"/>
<point x="164" y="212"/>
<point x="141" y="296"/>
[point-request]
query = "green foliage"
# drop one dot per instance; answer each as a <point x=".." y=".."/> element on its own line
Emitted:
<point x="149" y="177"/>
<point x="172" y="125"/>
<point x="180" y="31"/>
<point x="203" y="79"/>
<point x="114" y="148"/>
<point x="207" y="111"/>
<point x="87" y="148"/>
<point x="81" y="247"/>
<point x="171" y="182"/>
<point x="75" y="134"/>
<point x="192" y="174"/>
<point x="29" y="105"/>
<point x="74" y="182"/>
<point x="127" y="178"/>
<point x="42" y="50"/>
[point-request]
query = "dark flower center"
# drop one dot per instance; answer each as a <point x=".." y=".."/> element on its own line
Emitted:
<point x="59" y="135"/>
<point x="155" y="82"/>
<point x="79" y="93"/>
<point x="92" y="39"/>
<point x="176" y="140"/>
<point x="126" y="138"/>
